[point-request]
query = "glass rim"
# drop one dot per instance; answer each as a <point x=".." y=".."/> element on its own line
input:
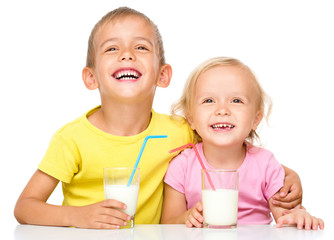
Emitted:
<point x="121" y="168"/>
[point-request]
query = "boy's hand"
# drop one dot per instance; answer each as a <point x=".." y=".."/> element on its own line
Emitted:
<point x="290" y="195"/>
<point x="194" y="216"/>
<point x="103" y="214"/>
<point x="301" y="218"/>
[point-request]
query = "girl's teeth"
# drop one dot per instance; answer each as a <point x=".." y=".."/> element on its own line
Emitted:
<point x="222" y="125"/>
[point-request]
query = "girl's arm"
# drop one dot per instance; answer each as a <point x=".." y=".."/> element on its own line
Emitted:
<point x="297" y="216"/>
<point x="31" y="208"/>
<point x="174" y="209"/>
<point x="290" y="195"/>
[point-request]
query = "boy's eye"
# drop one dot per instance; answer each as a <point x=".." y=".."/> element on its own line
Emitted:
<point x="111" y="49"/>
<point x="142" y="48"/>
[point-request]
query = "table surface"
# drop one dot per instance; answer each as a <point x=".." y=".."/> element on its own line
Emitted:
<point x="168" y="232"/>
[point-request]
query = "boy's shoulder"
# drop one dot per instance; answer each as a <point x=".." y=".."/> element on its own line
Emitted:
<point x="78" y="124"/>
<point x="171" y="120"/>
<point x="174" y="126"/>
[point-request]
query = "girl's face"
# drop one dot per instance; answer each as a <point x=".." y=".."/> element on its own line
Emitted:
<point x="225" y="106"/>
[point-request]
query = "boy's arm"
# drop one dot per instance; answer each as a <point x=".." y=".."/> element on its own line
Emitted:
<point x="297" y="216"/>
<point x="31" y="208"/>
<point x="290" y="195"/>
<point x="174" y="209"/>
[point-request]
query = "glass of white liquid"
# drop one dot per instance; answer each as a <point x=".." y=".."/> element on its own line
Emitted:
<point x="220" y="205"/>
<point x="116" y="187"/>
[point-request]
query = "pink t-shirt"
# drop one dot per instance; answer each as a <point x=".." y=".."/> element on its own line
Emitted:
<point x="260" y="177"/>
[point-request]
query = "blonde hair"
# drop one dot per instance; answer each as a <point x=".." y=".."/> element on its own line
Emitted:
<point x="184" y="105"/>
<point x="117" y="14"/>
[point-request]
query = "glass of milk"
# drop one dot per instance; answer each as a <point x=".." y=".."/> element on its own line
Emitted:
<point x="220" y="206"/>
<point x="115" y="187"/>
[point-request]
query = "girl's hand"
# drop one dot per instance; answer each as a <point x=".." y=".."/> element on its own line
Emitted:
<point x="290" y="195"/>
<point x="301" y="218"/>
<point x="194" y="217"/>
<point x="104" y="214"/>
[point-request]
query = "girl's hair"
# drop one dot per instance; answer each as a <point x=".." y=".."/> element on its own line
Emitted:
<point x="117" y="14"/>
<point x="184" y="105"/>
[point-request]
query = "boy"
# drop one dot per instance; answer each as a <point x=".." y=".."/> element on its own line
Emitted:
<point x="125" y="62"/>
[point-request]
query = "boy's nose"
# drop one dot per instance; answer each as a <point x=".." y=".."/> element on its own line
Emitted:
<point x="127" y="55"/>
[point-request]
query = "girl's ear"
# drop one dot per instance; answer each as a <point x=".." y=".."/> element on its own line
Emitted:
<point x="190" y="121"/>
<point x="258" y="119"/>
<point x="165" y="76"/>
<point x="89" y="78"/>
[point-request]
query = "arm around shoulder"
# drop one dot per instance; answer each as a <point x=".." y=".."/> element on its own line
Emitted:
<point x="290" y="195"/>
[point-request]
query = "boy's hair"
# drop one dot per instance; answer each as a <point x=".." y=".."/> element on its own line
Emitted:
<point x="184" y="105"/>
<point x="117" y="14"/>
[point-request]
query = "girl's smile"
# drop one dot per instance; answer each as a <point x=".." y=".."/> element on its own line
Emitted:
<point x="222" y="127"/>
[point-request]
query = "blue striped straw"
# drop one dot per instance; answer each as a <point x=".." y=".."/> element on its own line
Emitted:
<point x="141" y="152"/>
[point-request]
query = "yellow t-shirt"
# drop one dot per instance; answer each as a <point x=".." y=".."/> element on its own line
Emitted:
<point x="79" y="151"/>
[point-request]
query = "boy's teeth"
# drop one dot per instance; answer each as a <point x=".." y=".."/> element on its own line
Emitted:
<point x="127" y="75"/>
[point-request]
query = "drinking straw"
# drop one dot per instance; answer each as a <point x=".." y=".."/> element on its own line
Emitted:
<point x="198" y="157"/>
<point x="141" y="152"/>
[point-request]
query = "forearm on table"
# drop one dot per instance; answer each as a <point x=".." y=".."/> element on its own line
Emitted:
<point x="180" y="219"/>
<point x="36" y="212"/>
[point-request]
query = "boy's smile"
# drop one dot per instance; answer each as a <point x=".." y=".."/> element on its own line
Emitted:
<point x="127" y="74"/>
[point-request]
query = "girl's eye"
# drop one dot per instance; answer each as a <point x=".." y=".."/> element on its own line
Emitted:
<point x="236" y="101"/>
<point x="208" y="101"/>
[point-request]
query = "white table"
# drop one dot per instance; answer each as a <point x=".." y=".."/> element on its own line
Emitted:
<point x="168" y="232"/>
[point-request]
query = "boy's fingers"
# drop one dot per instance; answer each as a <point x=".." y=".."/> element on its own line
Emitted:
<point x="113" y="203"/>
<point x="282" y="203"/>
<point x="115" y="213"/>
<point x="113" y="220"/>
<point x="283" y="192"/>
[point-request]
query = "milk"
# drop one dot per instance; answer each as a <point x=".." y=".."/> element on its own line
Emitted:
<point x="220" y="207"/>
<point x="124" y="194"/>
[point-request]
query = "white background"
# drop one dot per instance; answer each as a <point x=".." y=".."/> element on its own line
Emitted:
<point x="289" y="45"/>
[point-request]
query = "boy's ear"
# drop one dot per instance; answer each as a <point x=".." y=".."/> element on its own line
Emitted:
<point x="165" y="76"/>
<point x="258" y="119"/>
<point x="89" y="78"/>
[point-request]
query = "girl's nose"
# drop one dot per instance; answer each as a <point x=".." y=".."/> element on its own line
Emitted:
<point x="222" y="110"/>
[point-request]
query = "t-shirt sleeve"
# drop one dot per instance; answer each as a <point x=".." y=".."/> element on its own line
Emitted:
<point x="176" y="173"/>
<point x="274" y="177"/>
<point x="60" y="160"/>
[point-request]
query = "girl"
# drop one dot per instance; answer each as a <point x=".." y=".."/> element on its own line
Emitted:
<point x="224" y="104"/>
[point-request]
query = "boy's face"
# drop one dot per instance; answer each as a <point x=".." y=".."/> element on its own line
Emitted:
<point x="126" y="61"/>
<point x="224" y="106"/>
